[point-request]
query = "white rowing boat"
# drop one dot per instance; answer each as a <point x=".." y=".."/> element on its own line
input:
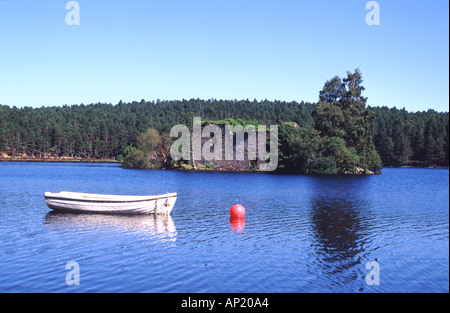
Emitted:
<point x="97" y="203"/>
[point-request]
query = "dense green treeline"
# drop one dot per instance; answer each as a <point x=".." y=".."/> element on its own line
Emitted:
<point x="105" y="130"/>
<point x="335" y="135"/>
<point x="404" y="138"/>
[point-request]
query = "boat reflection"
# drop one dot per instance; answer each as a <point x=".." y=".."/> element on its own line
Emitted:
<point x="152" y="224"/>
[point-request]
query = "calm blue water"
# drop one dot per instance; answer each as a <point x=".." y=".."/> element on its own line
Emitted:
<point x="301" y="233"/>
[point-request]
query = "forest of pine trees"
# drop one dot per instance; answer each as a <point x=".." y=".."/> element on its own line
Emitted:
<point x="104" y="131"/>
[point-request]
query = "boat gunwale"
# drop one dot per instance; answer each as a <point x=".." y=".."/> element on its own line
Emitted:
<point x="97" y="198"/>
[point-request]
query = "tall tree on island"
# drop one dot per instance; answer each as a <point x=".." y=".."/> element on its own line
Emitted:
<point x="342" y="113"/>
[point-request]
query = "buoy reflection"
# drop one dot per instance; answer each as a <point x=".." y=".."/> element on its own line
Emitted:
<point x="237" y="224"/>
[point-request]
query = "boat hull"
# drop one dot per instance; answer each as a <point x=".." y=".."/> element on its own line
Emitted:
<point x="95" y="203"/>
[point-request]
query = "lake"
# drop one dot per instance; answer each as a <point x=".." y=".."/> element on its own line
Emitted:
<point x="300" y="234"/>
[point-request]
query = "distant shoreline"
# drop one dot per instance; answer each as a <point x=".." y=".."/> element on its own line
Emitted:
<point x="61" y="160"/>
<point x="414" y="164"/>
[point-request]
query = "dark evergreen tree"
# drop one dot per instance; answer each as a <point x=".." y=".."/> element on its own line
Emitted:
<point x="342" y="113"/>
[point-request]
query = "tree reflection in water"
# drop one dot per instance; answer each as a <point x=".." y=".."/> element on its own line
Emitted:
<point x="341" y="237"/>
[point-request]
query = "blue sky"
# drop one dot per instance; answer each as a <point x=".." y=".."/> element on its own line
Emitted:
<point x="223" y="49"/>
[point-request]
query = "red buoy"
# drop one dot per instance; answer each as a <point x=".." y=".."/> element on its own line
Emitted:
<point x="237" y="211"/>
